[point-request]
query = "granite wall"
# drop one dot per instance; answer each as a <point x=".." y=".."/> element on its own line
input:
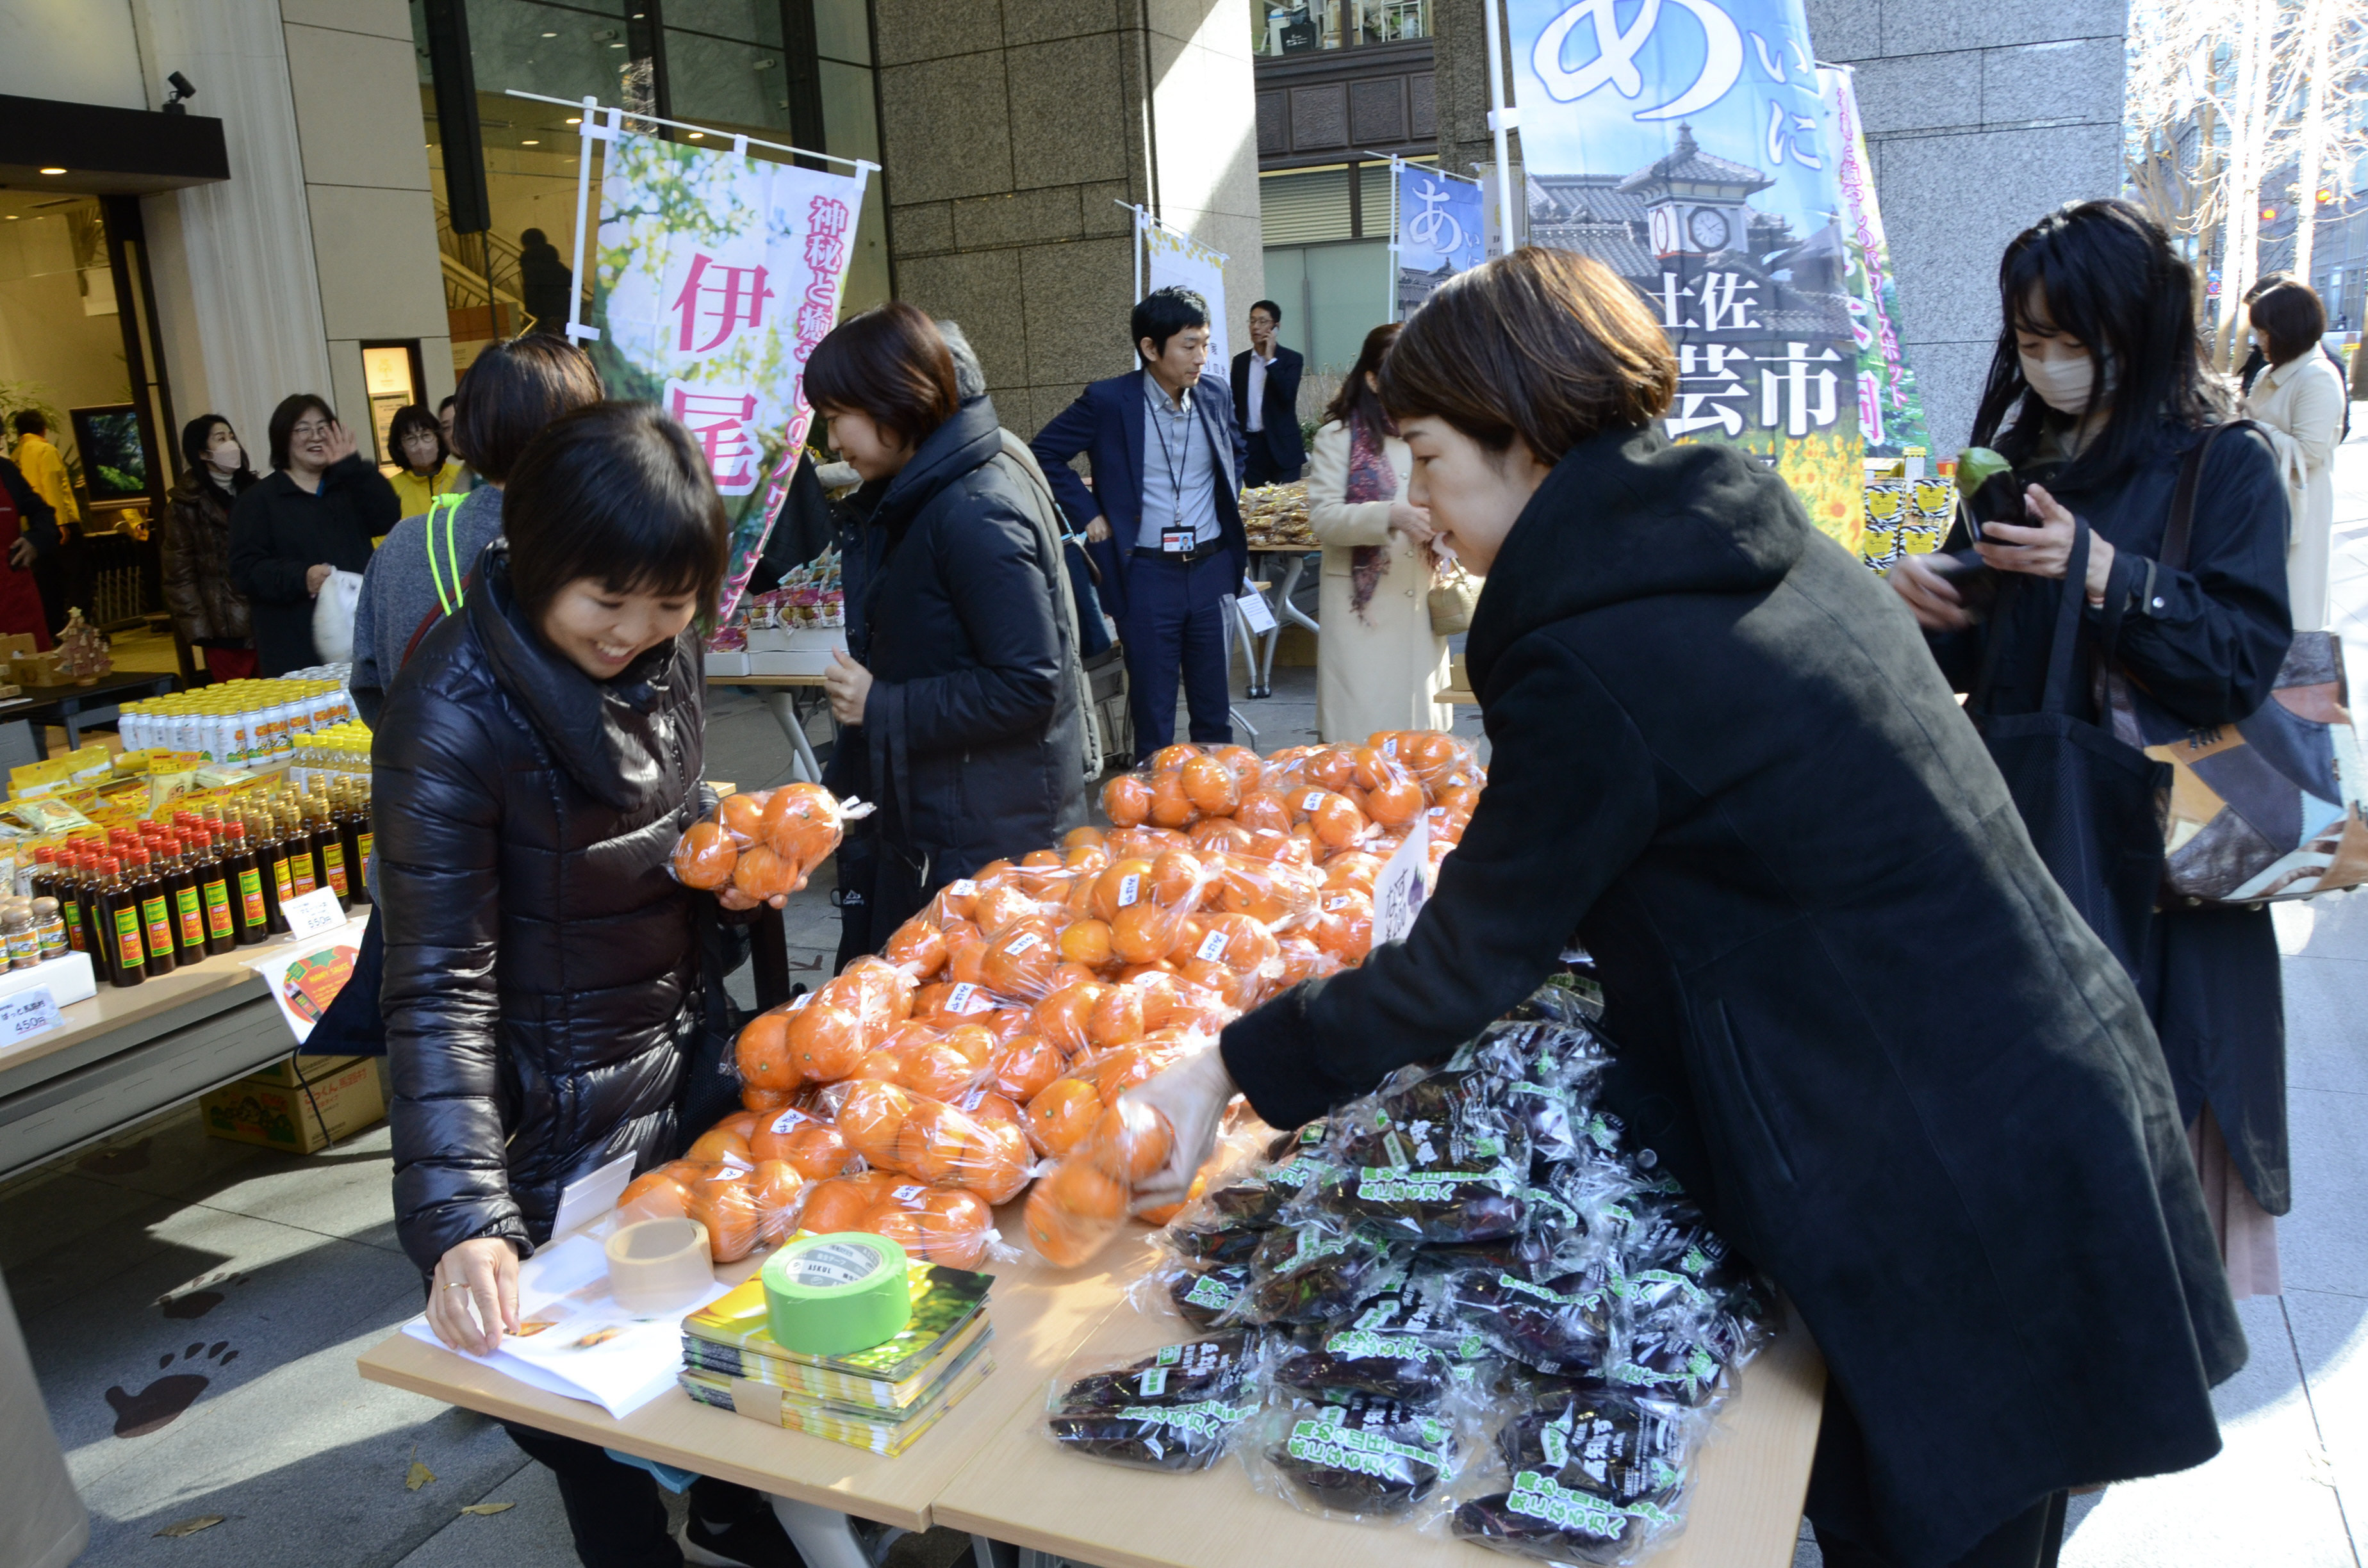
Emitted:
<point x="1979" y="117"/>
<point x="1012" y="132"/>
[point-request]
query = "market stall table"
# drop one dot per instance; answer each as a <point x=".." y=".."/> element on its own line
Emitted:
<point x="1039" y="1316"/>
<point x="1745" y="1512"/>
<point x="71" y="706"/>
<point x="780" y="693"/>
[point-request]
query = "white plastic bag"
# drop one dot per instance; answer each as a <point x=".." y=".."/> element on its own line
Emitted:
<point x="333" y="617"/>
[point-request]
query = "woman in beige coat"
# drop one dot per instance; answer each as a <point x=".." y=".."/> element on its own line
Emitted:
<point x="1378" y="664"/>
<point x="2299" y="399"/>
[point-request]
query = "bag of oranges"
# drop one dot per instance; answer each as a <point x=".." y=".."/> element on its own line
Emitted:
<point x="741" y="1205"/>
<point x="890" y="1128"/>
<point x="1080" y="1203"/>
<point x="764" y="843"/>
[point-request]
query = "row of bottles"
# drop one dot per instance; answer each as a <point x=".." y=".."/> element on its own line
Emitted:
<point x="144" y="899"/>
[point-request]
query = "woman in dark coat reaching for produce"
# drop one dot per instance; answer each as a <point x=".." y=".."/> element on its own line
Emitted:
<point x="1857" y="1018"/>
<point x="535" y="763"/>
<point x="2097" y="390"/>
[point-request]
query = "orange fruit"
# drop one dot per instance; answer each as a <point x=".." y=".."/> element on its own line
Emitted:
<point x="939" y="1070"/>
<point x="1260" y="809"/>
<point x="826" y="1041"/>
<point x="1088" y="856"/>
<point x="1087" y="942"/>
<point x="835" y="1206"/>
<point x="1062" y="1017"/>
<point x="938" y="1142"/>
<point x="1081" y="838"/>
<point x="1003" y="1168"/>
<point x="1177" y="878"/>
<point x="1129" y="1143"/>
<point x="1170" y="758"/>
<point x="870" y="1119"/>
<point x="763" y="1052"/>
<point x="767" y="1101"/>
<point x="802" y="825"/>
<point x="743" y="1121"/>
<point x="778" y="1191"/>
<point x="1170" y="807"/>
<point x="1334" y="767"/>
<point x="987" y="1108"/>
<point x="1209" y="786"/>
<point x="1089" y="1193"/>
<point x="1059" y="1237"/>
<point x="720" y="1144"/>
<point x="965" y="955"/>
<point x="1219" y="835"/>
<point x="742" y="815"/>
<point x="1126" y="800"/>
<point x="1351" y="869"/>
<point x="1062" y="1114"/>
<point x="706" y="857"/>
<point x="761" y="874"/>
<point x="918" y="948"/>
<point x="1145" y="932"/>
<point x="953" y="1224"/>
<point x="996" y="909"/>
<point x="1338" y="822"/>
<point x="1124" y="882"/>
<point x="976" y="1043"/>
<point x="652" y="1195"/>
<point x="1394" y="801"/>
<point x="818" y="1151"/>
<point x="1117" y="1017"/>
<point x="1244" y="762"/>
<point x="1020" y="958"/>
<point x="727" y="1207"/>
<point x="1122" y="1071"/>
<point x="1026" y="1066"/>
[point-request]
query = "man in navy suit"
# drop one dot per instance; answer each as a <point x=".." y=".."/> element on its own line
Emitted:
<point x="1266" y="401"/>
<point x="1163" y="521"/>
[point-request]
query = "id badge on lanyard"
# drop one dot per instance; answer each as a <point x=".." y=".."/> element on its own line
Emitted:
<point x="1175" y="541"/>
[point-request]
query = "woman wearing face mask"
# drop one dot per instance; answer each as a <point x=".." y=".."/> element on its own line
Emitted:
<point x="209" y="612"/>
<point x="2097" y="393"/>
<point x="319" y="510"/>
<point x="961" y="720"/>
<point x="1675" y="668"/>
<point x="2299" y="398"/>
<point x="429" y="468"/>
<point x="537" y="759"/>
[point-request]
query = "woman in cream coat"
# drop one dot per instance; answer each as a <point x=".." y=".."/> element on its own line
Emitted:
<point x="2299" y="398"/>
<point x="1379" y="666"/>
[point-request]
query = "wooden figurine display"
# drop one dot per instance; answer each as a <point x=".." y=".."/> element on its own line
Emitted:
<point x="82" y="651"/>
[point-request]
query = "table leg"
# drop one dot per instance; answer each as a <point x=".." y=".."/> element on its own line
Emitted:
<point x="784" y="702"/>
<point x="1285" y="610"/>
<point x="68" y="711"/>
<point x="823" y="1537"/>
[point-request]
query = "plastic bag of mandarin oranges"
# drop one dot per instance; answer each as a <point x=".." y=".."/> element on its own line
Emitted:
<point x="764" y="842"/>
<point x="743" y="1204"/>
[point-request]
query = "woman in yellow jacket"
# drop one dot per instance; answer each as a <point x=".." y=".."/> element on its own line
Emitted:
<point x="1378" y="663"/>
<point x="428" y="469"/>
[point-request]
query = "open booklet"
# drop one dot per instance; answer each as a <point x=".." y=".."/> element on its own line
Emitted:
<point x="574" y="1339"/>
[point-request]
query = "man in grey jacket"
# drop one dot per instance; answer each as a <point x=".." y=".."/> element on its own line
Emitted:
<point x="419" y="573"/>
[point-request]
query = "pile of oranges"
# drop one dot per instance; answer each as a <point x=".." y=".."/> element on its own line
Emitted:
<point x="989" y="1043"/>
<point x="764" y="842"/>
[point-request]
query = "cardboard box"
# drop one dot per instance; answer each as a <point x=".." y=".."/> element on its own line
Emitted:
<point x="299" y="1120"/>
<point x="795" y="639"/>
<point x="726" y="664"/>
<point x="295" y="1071"/>
<point x="796" y="662"/>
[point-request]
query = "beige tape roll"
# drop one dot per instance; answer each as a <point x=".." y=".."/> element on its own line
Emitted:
<point x="658" y="1265"/>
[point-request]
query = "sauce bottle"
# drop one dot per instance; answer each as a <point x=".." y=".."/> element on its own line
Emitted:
<point x="66" y="887"/>
<point x="177" y="869"/>
<point x="346" y="804"/>
<point x="304" y="870"/>
<point x="271" y="859"/>
<point x="155" y="910"/>
<point x="249" y="888"/>
<point x="328" y="846"/>
<point x="118" y="906"/>
<point x="214" y="893"/>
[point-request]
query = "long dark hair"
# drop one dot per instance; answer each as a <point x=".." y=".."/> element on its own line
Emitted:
<point x="2104" y="274"/>
<point x="1357" y="401"/>
<point x="198" y="435"/>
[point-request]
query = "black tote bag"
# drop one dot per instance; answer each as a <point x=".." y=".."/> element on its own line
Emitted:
<point x="2094" y="806"/>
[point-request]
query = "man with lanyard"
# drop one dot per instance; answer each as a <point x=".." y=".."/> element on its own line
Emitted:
<point x="1163" y="520"/>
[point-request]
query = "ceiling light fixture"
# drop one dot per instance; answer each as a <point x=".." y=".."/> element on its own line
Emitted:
<point x="698" y="136"/>
<point x="53" y="171"/>
<point x="576" y="119"/>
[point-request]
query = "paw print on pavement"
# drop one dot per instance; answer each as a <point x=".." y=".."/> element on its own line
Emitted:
<point x="161" y="1402"/>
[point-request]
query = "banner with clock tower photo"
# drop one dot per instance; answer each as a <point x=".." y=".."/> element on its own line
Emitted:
<point x="1682" y="144"/>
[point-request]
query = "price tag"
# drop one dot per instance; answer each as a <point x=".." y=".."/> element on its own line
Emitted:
<point x="28" y="1013"/>
<point x="1402" y="887"/>
<point x="313" y="912"/>
<point x="1257" y="614"/>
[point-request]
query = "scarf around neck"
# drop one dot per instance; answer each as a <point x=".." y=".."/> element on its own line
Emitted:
<point x="1370" y="479"/>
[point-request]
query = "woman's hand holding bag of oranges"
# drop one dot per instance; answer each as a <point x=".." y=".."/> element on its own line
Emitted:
<point x="759" y="846"/>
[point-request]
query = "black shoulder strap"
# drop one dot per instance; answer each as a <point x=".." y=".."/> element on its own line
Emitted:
<point x="2183" y="500"/>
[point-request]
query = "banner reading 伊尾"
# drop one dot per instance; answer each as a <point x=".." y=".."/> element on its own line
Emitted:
<point x="1682" y="144"/>
<point x="716" y="274"/>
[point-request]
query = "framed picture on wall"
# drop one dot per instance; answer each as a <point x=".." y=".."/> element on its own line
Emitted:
<point x="114" y="455"/>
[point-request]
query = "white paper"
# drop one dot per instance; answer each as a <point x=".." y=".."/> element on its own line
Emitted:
<point x="1403" y="886"/>
<point x="589" y="1198"/>
<point x="283" y="966"/>
<point x="1255" y="613"/>
<point x="311" y="914"/>
<point x="28" y="1013"/>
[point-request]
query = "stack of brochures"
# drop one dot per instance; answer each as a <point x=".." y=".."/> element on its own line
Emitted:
<point x="880" y="1399"/>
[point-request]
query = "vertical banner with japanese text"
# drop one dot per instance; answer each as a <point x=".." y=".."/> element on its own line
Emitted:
<point x="1890" y="408"/>
<point x="1174" y="259"/>
<point x="1440" y="232"/>
<point x="1682" y="144"/>
<point x="716" y="274"/>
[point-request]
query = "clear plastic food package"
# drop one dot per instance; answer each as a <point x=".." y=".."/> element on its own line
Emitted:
<point x="1174" y="1408"/>
<point x="1365" y="1459"/>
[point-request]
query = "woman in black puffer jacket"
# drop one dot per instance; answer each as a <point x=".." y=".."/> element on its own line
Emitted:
<point x="959" y="704"/>
<point x="534" y="764"/>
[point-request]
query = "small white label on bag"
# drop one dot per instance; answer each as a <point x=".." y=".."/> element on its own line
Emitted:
<point x="1212" y="947"/>
<point x="1023" y="943"/>
<point x="1130" y="888"/>
<point x="958" y="999"/>
<point x="1315" y="799"/>
<point x="787" y="1121"/>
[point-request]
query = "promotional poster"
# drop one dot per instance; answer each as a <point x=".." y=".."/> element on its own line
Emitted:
<point x="1440" y="232"/>
<point x="1682" y="144"/>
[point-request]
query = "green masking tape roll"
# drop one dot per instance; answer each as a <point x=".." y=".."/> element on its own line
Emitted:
<point x="836" y="1294"/>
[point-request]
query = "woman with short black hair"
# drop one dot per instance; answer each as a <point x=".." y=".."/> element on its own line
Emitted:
<point x="959" y="716"/>
<point x="536" y="763"/>
<point x="320" y="509"/>
<point x="425" y="466"/>
<point x="1723" y="765"/>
